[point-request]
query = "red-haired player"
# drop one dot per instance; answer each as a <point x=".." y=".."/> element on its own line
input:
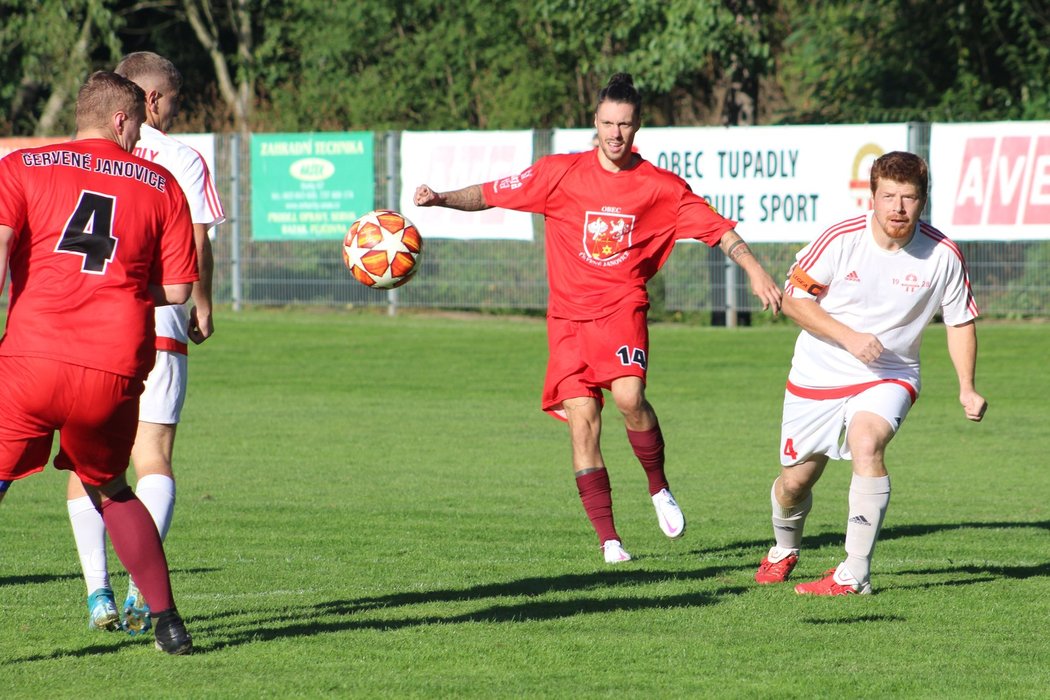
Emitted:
<point x="863" y="292"/>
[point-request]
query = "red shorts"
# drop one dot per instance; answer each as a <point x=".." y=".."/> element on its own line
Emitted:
<point x="95" y="413"/>
<point x="586" y="356"/>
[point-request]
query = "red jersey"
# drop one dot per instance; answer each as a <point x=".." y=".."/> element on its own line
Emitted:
<point x="607" y="233"/>
<point x="94" y="227"/>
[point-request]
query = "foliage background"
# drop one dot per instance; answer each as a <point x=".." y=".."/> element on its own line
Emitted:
<point x="314" y="65"/>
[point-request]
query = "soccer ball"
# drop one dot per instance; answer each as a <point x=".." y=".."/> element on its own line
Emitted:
<point x="382" y="249"/>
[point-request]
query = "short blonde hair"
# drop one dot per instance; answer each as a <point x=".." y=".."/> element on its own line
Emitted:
<point x="146" y="64"/>
<point x="104" y="94"/>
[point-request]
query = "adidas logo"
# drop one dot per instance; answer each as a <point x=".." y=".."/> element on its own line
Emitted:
<point x="853" y="277"/>
<point x="859" y="520"/>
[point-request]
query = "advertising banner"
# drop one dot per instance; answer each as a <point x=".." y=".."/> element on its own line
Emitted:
<point x="312" y="186"/>
<point x="781" y="183"/>
<point x="991" y="181"/>
<point x="450" y="160"/>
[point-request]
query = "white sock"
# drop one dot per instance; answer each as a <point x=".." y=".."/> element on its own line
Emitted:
<point x="789" y="522"/>
<point x="157" y="493"/>
<point x="868" y="499"/>
<point x="89" y="532"/>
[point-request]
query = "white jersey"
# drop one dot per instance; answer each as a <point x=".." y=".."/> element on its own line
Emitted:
<point x="890" y="294"/>
<point x="191" y="172"/>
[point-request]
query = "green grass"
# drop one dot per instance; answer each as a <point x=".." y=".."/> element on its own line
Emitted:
<point x="376" y="507"/>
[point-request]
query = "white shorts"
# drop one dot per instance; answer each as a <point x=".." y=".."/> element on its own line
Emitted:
<point x="813" y="426"/>
<point x="165" y="390"/>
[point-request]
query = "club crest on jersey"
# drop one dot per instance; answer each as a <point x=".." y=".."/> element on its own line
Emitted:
<point x="606" y="237"/>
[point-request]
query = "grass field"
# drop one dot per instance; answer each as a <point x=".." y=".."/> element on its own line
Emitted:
<point x="375" y="507"/>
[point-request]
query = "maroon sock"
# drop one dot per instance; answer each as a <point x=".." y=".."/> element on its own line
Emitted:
<point x="596" y="495"/>
<point x="648" y="446"/>
<point x="135" y="540"/>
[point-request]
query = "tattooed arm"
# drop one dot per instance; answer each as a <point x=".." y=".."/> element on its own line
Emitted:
<point x="762" y="285"/>
<point x="466" y="199"/>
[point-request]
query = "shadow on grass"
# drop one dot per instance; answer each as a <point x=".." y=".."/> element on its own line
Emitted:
<point x="828" y="539"/>
<point x="24" y="579"/>
<point x="539" y="585"/>
<point x="854" y="620"/>
<point x="341" y="615"/>
<point x="335" y="616"/>
<point x="991" y="571"/>
<point x="323" y="620"/>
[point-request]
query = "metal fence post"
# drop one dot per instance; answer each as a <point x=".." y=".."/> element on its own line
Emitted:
<point x="391" y="203"/>
<point x="235" y="222"/>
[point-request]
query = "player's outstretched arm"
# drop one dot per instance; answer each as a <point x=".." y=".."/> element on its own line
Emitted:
<point x="962" y="348"/>
<point x="762" y="285"/>
<point x="466" y="199"/>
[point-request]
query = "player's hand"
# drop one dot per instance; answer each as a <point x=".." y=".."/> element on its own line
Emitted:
<point x="973" y="405"/>
<point x="765" y="288"/>
<point x="201" y="326"/>
<point x="864" y="346"/>
<point x="426" y="197"/>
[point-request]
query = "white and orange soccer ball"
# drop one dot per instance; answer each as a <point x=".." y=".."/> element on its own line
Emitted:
<point x="382" y="248"/>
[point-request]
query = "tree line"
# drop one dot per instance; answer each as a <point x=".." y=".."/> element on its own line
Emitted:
<point x="319" y="65"/>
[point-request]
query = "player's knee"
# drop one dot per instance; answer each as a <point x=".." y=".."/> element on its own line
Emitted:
<point x="631" y="402"/>
<point x="866" y="447"/>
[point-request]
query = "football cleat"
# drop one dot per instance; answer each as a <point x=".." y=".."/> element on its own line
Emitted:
<point x="102" y="611"/>
<point x="170" y="633"/>
<point x="776" y="566"/>
<point x="668" y="514"/>
<point x="837" y="581"/>
<point x="136" y="611"/>
<point x="614" y="552"/>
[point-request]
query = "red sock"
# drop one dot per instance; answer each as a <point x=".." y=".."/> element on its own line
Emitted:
<point x="596" y="495"/>
<point x="135" y="540"/>
<point x="648" y="446"/>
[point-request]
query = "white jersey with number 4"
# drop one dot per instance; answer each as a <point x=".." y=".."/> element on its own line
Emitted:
<point x="890" y="294"/>
<point x="191" y="172"/>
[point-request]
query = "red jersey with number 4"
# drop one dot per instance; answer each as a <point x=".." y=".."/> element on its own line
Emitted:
<point x="94" y="227"/>
<point x="607" y="233"/>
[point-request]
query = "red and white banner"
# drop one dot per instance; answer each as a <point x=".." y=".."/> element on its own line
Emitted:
<point x="450" y="160"/>
<point x="781" y="183"/>
<point x="991" y="181"/>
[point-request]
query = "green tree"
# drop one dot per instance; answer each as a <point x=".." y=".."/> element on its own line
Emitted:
<point x="47" y="51"/>
<point x="937" y="60"/>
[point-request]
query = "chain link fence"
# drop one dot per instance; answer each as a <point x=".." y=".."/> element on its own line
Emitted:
<point x="1010" y="279"/>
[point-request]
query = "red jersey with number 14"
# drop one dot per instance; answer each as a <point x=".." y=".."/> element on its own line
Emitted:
<point x="607" y="233"/>
<point x="94" y="227"/>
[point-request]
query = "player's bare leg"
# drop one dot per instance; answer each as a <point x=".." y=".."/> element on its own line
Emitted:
<point x="584" y="415"/>
<point x="647" y="441"/>
<point x="791" y="499"/>
<point x="155" y="481"/>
